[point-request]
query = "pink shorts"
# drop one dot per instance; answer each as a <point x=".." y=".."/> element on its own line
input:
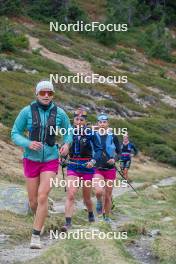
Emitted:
<point x="32" y="169"/>
<point x="107" y="174"/>
<point x="84" y="176"/>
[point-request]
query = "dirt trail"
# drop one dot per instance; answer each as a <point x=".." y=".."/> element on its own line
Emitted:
<point x="9" y="255"/>
<point x="22" y="253"/>
<point x="73" y="65"/>
<point x="59" y="207"/>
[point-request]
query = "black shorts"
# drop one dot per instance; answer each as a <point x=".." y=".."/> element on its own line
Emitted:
<point x="125" y="164"/>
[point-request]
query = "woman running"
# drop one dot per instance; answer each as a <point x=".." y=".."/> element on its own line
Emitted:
<point x="127" y="149"/>
<point x="105" y="169"/>
<point x="40" y="150"/>
<point x="84" y="152"/>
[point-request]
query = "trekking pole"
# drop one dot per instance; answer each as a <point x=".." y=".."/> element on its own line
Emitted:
<point x="63" y="164"/>
<point x="119" y="171"/>
<point x="74" y="163"/>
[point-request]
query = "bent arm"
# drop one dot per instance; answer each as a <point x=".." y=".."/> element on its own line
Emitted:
<point x="17" y="133"/>
<point x="97" y="148"/>
<point x="134" y="149"/>
<point x="65" y="123"/>
<point x="117" y="146"/>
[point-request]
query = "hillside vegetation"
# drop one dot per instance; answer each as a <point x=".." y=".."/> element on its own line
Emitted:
<point x="145" y="54"/>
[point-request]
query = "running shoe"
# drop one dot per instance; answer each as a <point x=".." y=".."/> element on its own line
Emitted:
<point x="35" y="242"/>
<point x="106" y="219"/>
<point x="91" y="218"/>
<point x="99" y="207"/>
<point x="65" y="228"/>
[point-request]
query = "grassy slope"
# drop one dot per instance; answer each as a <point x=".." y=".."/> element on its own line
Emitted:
<point x="145" y="213"/>
<point x="15" y="86"/>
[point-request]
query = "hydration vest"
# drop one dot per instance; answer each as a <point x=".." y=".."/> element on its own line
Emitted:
<point x="35" y="133"/>
<point x="126" y="151"/>
<point x="110" y="146"/>
<point x="128" y="147"/>
<point x="81" y="147"/>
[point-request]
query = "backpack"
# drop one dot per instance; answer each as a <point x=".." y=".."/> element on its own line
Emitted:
<point x="36" y="132"/>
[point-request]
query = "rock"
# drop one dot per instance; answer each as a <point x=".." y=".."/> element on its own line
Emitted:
<point x="29" y="71"/>
<point x="155" y="186"/>
<point x="134" y="69"/>
<point x="169" y="100"/>
<point x="107" y="96"/>
<point x="17" y="67"/>
<point x="117" y="62"/>
<point x="154" y="233"/>
<point x="131" y="87"/>
<point x="3" y="69"/>
<point x="63" y="40"/>
<point x="134" y="50"/>
<point x="3" y="238"/>
<point x="167" y="182"/>
<point x="13" y="198"/>
<point x="167" y="219"/>
<point x="10" y="65"/>
<point x="150" y="99"/>
<point x="34" y="71"/>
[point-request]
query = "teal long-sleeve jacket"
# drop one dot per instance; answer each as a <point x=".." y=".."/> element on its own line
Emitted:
<point x="23" y="123"/>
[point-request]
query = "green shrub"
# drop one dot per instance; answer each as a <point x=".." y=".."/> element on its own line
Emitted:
<point x="106" y="37"/>
<point x="10" y="7"/>
<point x="75" y="13"/>
<point x="163" y="153"/>
<point x="20" y="41"/>
<point x="121" y="55"/>
<point x="157" y="41"/>
<point x="10" y="40"/>
<point x="62" y="11"/>
<point x="6" y="42"/>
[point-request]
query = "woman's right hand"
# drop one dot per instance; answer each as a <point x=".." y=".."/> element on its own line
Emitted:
<point x="35" y="145"/>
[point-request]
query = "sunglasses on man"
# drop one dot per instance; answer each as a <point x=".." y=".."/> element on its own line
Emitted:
<point x="44" y="93"/>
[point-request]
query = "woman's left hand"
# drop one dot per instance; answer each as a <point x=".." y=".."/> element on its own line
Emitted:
<point x="111" y="161"/>
<point x="89" y="165"/>
<point x="64" y="150"/>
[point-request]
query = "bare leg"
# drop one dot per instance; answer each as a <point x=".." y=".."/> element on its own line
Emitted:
<point x="108" y="198"/>
<point x="99" y="189"/>
<point x="87" y="196"/>
<point x="125" y="173"/>
<point x="32" y="185"/>
<point x="71" y="192"/>
<point x="43" y="192"/>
